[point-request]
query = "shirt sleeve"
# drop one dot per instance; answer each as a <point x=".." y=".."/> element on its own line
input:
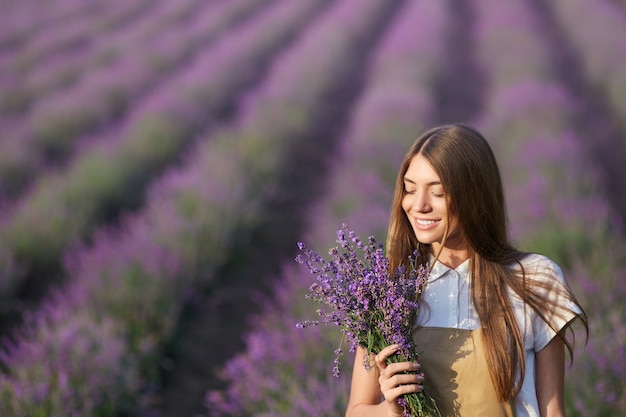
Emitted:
<point x="554" y="286"/>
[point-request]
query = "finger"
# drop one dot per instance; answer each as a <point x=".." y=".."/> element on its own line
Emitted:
<point x="390" y="350"/>
<point x="394" y="393"/>
<point x="401" y="384"/>
<point x="401" y="367"/>
<point x="391" y="380"/>
<point x="380" y="360"/>
<point x="381" y="357"/>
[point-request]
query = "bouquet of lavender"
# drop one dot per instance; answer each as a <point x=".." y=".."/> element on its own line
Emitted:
<point x="373" y="307"/>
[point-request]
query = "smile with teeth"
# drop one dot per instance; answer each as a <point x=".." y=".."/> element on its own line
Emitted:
<point x="424" y="222"/>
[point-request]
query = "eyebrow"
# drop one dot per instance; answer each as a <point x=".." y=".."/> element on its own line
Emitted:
<point x="429" y="184"/>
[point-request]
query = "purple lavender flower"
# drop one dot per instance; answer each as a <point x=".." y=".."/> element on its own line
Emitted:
<point x="373" y="306"/>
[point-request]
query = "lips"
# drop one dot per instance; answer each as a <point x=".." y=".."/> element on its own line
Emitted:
<point x="425" y="222"/>
<point x="425" y="225"/>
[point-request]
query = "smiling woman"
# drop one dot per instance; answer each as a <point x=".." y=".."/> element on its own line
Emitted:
<point x="493" y="327"/>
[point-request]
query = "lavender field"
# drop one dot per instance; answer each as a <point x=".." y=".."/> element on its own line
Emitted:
<point x="159" y="161"/>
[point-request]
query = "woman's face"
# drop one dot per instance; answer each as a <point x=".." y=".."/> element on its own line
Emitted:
<point x="426" y="206"/>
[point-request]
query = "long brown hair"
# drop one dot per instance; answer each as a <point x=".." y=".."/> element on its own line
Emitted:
<point x="471" y="179"/>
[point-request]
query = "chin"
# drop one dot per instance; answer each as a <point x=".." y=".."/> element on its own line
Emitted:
<point x="426" y="238"/>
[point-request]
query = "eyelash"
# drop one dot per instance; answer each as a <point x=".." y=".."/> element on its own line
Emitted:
<point x="438" y="195"/>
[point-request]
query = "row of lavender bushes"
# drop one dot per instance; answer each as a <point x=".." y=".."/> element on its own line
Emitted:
<point x="590" y="57"/>
<point x="63" y="209"/>
<point x="507" y="38"/>
<point x="30" y="90"/>
<point x="95" y="346"/>
<point x="602" y="43"/>
<point x="72" y="33"/>
<point x="21" y="87"/>
<point x="26" y="20"/>
<point x="557" y="206"/>
<point x="285" y="370"/>
<point x="59" y="121"/>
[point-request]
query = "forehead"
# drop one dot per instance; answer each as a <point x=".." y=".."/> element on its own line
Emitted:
<point x="421" y="171"/>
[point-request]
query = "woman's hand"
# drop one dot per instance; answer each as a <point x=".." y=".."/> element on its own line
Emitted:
<point x="396" y="379"/>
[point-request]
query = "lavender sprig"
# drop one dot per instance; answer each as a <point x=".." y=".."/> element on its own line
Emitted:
<point x="373" y="307"/>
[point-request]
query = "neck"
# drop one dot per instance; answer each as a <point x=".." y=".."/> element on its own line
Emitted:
<point x="450" y="257"/>
<point x="452" y="260"/>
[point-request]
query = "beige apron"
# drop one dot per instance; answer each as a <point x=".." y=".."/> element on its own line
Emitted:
<point x="457" y="375"/>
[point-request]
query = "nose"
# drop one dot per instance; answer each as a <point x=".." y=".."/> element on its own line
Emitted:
<point x="421" y="203"/>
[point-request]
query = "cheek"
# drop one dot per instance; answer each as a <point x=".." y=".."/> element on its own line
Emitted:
<point x="443" y="206"/>
<point x="406" y="203"/>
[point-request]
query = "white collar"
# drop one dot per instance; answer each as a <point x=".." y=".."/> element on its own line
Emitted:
<point x="440" y="270"/>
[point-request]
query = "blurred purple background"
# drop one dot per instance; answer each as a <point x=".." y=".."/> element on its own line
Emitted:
<point x="160" y="160"/>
